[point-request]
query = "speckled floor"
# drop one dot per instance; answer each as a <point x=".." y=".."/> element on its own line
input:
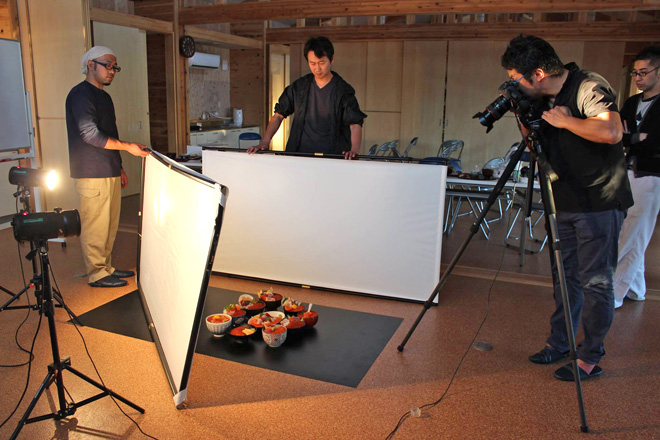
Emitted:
<point x="495" y="394"/>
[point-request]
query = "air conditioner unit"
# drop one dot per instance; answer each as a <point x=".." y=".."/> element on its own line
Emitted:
<point x="204" y="61"/>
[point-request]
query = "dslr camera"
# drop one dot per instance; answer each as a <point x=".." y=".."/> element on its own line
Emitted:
<point x="511" y="97"/>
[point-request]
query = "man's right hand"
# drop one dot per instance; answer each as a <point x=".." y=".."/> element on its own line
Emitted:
<point x="260" y="147"/>
<point x="136" y="149"/>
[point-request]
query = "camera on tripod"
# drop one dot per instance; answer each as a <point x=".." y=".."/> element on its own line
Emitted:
<point x="511" y="97"/>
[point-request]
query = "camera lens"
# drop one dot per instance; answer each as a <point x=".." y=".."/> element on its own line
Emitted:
<point x="494" y="112"/>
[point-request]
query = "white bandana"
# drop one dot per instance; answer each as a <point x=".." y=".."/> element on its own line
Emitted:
<point x="92" y="54"/>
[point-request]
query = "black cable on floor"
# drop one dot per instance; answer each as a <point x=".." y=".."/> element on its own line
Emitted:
<point x="73" y="321"/>
<point x="27" y="315"/>
<point x="27" y="380"/>
<point x="428" y="406"/>
<point x="31" y="358"/>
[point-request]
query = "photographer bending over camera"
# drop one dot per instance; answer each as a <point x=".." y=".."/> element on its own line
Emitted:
<point x="582" y="139"/>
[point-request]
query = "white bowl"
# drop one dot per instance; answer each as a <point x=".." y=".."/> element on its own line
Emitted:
<point x="275" y="314"/>
<point x="218" y="329"/>
<point x="274" y="339"/>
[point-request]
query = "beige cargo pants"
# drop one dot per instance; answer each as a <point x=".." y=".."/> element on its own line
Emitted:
<point x="100" y="204"/>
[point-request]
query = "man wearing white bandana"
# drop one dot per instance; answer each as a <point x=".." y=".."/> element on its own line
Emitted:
<point x="95" y="164"/>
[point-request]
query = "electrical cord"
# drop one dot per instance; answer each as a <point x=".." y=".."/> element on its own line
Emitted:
<point x="428" y="406"/>
<point x="27" y="315"/>
<point x="19" y="344"/>
<point x="27" y="380"/>
<point x="73" y="321"/>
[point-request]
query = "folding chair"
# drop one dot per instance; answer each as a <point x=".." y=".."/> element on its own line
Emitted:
<point x="253" y="139"/>
<point x="406" y="152"/>
<point x="447" y="150"/>
<point x="386" y="148"/>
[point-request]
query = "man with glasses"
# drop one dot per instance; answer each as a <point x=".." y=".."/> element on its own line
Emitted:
<point x="95" y="165"/>
<point x="641" y="138"/>
<point x="582" y="139"/>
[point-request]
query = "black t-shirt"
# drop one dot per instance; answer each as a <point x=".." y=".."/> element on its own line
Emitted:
<point x="90" y="120"/>
<point x="317" y="135"/>
<point x="592" y="175"/>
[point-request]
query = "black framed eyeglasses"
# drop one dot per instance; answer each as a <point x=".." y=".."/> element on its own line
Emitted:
<point x="108" y="66"/>
<point x="642" y="74"/>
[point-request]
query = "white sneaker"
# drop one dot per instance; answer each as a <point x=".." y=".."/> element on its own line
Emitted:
<point x="635" y="296"/>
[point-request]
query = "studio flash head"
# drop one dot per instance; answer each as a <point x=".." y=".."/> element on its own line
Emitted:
<point x="511" y="97"/>
<point x="45" y="225"/>
<point x="32" y="177"/>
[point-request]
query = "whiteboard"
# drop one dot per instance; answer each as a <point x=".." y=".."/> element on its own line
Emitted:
<point x="359" y="226"/>
<point x="14" y="127"/>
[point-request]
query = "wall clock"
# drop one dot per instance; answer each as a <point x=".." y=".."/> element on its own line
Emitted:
<point x="187" y="46"/>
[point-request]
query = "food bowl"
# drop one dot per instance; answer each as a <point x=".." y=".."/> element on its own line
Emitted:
<point x="292" y="307"/>
<point x="245" y="299"/>
<point x="272" y="300"/>
<point x="274" y="335"/>
<point x="294" y="326"/>
<point x="293" y="311"/>
<point x="241" y="333"/>
<point x="310" y="318"/>
<point x="272" y="318"/>
<point x="257" y="321"/>
<point x="487" y="173"/>
<point x="218" y="324"/>
<point x="254" y="308"/>
<point x="237" y="314"/>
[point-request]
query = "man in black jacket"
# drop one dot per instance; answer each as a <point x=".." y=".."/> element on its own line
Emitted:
<point x="641" y="125"/>
<point x="581" y="135"/>
<point x="327" y="116"/>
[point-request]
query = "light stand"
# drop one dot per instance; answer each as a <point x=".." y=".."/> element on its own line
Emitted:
<point x="59" y="365"/>
<point x="549" y="205"/>
<point x="23" y="193"/>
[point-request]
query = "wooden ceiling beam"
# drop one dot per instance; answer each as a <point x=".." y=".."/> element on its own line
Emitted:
<point x="221" y="39"/>
<point x="130" y="20"/>
<point x="282" y="9"/>
<point x="593" y="31"/>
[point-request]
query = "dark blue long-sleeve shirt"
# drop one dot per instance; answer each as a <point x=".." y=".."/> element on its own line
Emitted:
<point x="90" y="120"/>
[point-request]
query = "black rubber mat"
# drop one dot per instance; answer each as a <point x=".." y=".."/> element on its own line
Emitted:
<point x="339" y="349"/>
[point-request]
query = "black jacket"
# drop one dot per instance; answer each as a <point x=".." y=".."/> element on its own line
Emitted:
<point x="646" y="152"/>
<point x="346" y="111"/>
<point x="592" y="175"/>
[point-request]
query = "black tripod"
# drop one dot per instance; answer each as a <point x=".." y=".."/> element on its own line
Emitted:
<point x="36" y="281"/>
<point x="56" y="369"/>
<point x="545" y="172"/>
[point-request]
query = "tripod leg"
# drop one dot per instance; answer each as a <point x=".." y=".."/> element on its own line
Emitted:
<point x="549" y="206"/>
<point x="8" y="292"/>
<point x="45" y="384"/>
<point x="473" y="230"/>
<point x="14" y="298"/>
<point x="60" y="303"/>
<point x="525" y="226"/>
<point x="102" y="388"/>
